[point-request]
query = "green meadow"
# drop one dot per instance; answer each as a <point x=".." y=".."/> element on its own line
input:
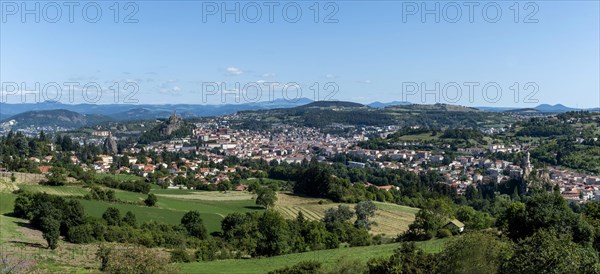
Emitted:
<point x="329" y="258"/>
<point x="56" y="190"/>
<point x="169" y="209"/>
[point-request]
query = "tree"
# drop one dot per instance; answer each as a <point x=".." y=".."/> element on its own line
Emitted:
<point x="548" y="252"/>
<point x="314" y="180"/>
<point x="364" y="210"/>
<point x="72" y="215"/>
<point x="151" y="200"/>
<point x="133" y="259"/>
<point x="406" y="259"/>
<point x="110" y="195"/>
<point x="591" y="213"/>
<point x="544" y="211"/>
<point x="130" y="219"/>
<point x="22" y="205"/>
<point x="266" y="197"/>
<point x="81" y="234"/>
<point x="194" y="224"/>
<point x="426" y="225"/>
<point x="472" y="218"/>
<point x="180" y="180"/>
<point x="241" y="230"/>
<point x="476" y="252"/>
<point x="56" y="177"/>
<point x="224" y="186"/>
<point x="112" y="216"/>
<point x="274" y="234"/>
<point x="341" y="214"/>
<point x="51" y="231"/>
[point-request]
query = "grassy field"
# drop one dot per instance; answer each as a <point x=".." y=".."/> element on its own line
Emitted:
<point x="7" y="186"/>
<point x="20" y="242"/>
<point x="203" y="195"/>
<point x="391" y="219"/>
<point x="329" y="258"/>
<point x="172" y="203"/>
<point x="170" y="210"/>
<point x="212" y="205"/>
<point x="8" y="225"/>
<point x="56" y="190"/>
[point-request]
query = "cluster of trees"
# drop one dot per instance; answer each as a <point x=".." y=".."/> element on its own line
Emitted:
<point x="57" y="176"/>
<point x="56" y="216"/>
<point x="97" y="193"/>
<point x="133" y="259"/>
<point x="540" y="127"/>
<point x="16" y="149"/>
<point x="544" y="210"/>
<point x="563" y="151"/>
<point x="127" y="185"/>
<point x="270" y="234"/>
<point x="318" y="117"/>
<point x="19" y="144"/>
<point x="51" y="214"/>
<point x="539" y="235"/>
<point x="432" y="116"/>
<point x="343" y="184"/>
<point x="464" y="134"/>
<point x="545" y="251"/>
<point x="265" y="233"/>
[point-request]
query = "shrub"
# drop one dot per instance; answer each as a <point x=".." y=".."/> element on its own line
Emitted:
<point x="112" y="216"/>
<point x="51" y="229"/>
<point x="180" y="255"/>
<point x="130" y="219"/>
<point x="133" y="259"/>
<point x="81" y="234"/>
<point x="151" y="200"/>
<point x="444" y="233"/>
<point x="194" y="224"/>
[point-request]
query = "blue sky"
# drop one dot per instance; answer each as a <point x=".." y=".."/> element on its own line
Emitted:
<point x="371" y="54"/>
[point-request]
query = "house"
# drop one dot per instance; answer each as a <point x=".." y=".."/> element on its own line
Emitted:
<point x="44" y="169"/>
<point x="455" y="225"/>
<point x="241" y="188"/>
<point x="106" y="159"/>
<point x="101" y="133"/>
<point x="356" y="164"/>
<point x="387" y="188"/>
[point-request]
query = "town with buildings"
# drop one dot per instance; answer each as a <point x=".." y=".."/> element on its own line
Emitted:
<point x="212" y="141"/>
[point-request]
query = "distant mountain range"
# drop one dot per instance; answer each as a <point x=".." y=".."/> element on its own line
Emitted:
<point x="543" y="108"/>
<point x="77" y="115"/>
<point x="148" y="111"/>
<point x="378" y="104"/>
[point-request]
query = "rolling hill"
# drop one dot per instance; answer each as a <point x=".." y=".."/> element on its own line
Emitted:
<point x="56" y="118"/>
<point x="378" y="104"/>
<point x="327" y="114"/>
<point x="137" y="111"/>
